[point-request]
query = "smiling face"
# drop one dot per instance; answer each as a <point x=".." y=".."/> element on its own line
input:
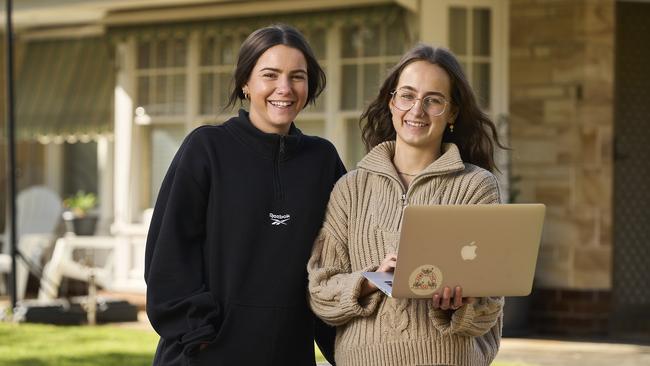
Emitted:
<point x="415" y="127"/>
<point x="278" y="89"/>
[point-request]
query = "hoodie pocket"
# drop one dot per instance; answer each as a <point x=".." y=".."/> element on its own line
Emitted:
<point x="245" y="338"/>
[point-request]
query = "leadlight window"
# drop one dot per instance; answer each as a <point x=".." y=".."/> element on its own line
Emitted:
<point x="470" y="39"/>
<point x="161" y="76"/>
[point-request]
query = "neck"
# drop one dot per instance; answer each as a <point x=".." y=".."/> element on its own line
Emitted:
<point x="267" y="127"/>
<point x="412" y="160"/>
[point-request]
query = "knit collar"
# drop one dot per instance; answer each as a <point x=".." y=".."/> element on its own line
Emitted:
<point x="380" y="160"/>
<point x="266" y="144"/>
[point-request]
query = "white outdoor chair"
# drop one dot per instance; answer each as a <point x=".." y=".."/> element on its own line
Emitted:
<point x="64" y="264"/>
<point x="112" y="260"/>
<point x="38" y="210"/>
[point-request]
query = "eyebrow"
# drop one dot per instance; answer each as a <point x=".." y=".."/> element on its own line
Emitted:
<point x="410" y="88"/>
<point x="297" y="71"/>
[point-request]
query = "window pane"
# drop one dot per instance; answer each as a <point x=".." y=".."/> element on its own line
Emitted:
<point x="160" y="96"/>
<point x="371" y="76"/>
<point x="165" y="140"/>
<point x="351" y="42"/>
<point x="179" y="53"/>
<point x="162" y="54"/>
<point x="349" y="85"/>
<point x="207" y="51"/>
<point x="481" y="37"/>
<point x="143" y="92"/>
<point x="178" y="90"/>
<point x="396" y="38"/>
<point x="458" y="30"/>
<point x="80" y="168"/>
<point x="481" y="84"/>
<point x="207" y="94"/>
<point x="371" y="38"/>
<point x="312" y="127"/>
<point x="355" y="149"/>
<point x="144" y="55"/>
<point x="226" y="51"/>
<point x="318" y="43"/>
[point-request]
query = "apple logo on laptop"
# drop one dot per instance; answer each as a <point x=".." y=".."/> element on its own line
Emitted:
<point x="468" y="252"/>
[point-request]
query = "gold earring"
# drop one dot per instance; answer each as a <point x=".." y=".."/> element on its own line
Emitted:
<point x="246" y="94"/>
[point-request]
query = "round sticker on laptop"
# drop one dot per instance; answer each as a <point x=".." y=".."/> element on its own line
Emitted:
<point x="425" y="279"/>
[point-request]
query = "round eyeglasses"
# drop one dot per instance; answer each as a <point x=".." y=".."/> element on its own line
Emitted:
<point x="433" y="105"/>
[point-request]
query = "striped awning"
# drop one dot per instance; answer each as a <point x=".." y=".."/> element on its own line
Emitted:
<point x="64" y="90"/>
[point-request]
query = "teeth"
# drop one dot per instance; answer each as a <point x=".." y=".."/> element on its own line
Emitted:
<point x="415" y="124"/>
<point x="281" y="104"/>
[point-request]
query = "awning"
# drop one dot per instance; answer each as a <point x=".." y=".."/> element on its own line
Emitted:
<point x="64" y="90"/>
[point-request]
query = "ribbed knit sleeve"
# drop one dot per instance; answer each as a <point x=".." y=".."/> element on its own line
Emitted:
<point x="333" y="288"/>
<point x="471" y="319"/>
<point x="480" y="317"/>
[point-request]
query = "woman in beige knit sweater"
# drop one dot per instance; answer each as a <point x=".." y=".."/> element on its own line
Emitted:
<point x="430" y="144"/>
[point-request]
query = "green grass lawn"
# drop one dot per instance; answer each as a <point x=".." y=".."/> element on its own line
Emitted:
<point x="47" y="345"/>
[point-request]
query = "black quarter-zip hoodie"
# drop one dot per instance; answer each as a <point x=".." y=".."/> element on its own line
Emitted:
<point x="226" y="254"/>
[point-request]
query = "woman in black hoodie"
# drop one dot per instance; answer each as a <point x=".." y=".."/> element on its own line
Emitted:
<point x="236" y="217"/>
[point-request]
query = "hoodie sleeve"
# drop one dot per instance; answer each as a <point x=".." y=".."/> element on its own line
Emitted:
<point x="179" y="304"/>
<point x="484" y="315"/>
<point x="333" y="288"/>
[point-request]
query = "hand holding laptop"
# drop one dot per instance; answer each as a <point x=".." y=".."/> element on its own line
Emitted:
<point x="451" y="300"/>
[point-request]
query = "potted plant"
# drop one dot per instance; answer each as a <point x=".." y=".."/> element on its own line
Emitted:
<point x="80" y="216"/>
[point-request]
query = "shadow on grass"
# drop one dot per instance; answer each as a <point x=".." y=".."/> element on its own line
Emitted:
<point x="101" y="359"/>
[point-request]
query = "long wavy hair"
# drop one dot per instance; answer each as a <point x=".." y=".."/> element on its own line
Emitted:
<point x="474" y="133"/>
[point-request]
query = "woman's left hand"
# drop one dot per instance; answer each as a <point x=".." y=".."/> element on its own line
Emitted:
<point x="451" y="299"/>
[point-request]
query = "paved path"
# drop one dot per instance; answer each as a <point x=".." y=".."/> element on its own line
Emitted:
<point x="543" y="352"/>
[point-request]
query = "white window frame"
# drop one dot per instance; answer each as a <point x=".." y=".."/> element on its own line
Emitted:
<point x="434" y="19"/>
<point x="339" y="117"/>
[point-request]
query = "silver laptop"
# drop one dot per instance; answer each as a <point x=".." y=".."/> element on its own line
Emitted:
<point x="488" y="250"/>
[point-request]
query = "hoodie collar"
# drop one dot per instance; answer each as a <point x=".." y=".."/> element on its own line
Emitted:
<point x="266" y="144"/>
<point x="380" y="160"/>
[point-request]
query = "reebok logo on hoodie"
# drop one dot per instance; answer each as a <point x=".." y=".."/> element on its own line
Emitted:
<point x="278" y="220"/>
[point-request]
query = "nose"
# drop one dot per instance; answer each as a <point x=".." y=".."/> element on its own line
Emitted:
<point x="418" y="108"/>
<point x="284" y="85"/>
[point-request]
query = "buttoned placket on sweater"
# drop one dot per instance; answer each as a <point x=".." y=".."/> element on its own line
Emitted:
<point x="361" y="226"/>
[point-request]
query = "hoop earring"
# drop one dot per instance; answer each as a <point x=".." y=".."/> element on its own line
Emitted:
<point x="247" y="96"/>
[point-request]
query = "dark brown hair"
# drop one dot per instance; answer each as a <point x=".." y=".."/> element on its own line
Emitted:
<point x="474" y="133"/>
<point x="261" y="40"/>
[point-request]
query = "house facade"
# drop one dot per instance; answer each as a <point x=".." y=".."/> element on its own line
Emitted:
<point x="107" y="90"/>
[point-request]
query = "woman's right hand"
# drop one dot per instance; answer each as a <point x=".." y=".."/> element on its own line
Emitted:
<point x="387" y="265"/>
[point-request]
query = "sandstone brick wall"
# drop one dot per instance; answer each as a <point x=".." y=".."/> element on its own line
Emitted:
<point x="561" y="95"/>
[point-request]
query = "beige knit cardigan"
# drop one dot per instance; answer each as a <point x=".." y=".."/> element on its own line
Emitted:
<point x="361" y="226"/>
